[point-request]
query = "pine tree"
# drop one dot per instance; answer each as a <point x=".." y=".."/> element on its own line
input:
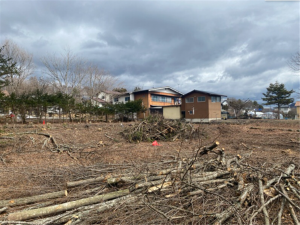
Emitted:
<point x="277" y="95"/>
<point x="7" y="66"/>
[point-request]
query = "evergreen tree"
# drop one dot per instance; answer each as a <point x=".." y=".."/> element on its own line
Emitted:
<point x="277" y="95"/>
<point x="120" y="89"/>
<point x="7" y="66"/>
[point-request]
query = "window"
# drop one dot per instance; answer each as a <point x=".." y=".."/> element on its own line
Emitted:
<point x="177" y="101"/>
<point x="201" y="99"/>
<point x="215" y="98"/>
<point x="157" y="98"/>
<point x="191" y="112"/>
<point x="127" y="99"/>
<point x="116" y="99"/>
<point x="189" y="100"/>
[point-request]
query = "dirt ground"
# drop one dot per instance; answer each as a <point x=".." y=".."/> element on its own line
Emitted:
<point x="30" y="163"/>
<point x="271" y="142"/>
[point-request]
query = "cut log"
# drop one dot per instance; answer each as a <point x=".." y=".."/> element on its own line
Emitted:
<point x="46" y="211"/>
<point x="83" y="182"/>
<point x="3" y="209"/>
<point x="84" y="212"/>
<point x="212" y="176"/>
<point x="32" y="199"/>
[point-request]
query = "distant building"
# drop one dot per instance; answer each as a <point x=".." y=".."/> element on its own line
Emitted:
<point x="123" y="97"/>
<point x="285" y="108"/>
<point x="156" y="98"/>
<point x="297" y="105"/>
<point x="104" y="97"/>
<point x="201" y="106"/>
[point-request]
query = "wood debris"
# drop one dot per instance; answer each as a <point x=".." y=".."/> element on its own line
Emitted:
<point x="207" y="187"/>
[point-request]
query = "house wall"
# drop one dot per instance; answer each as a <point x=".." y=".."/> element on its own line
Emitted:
<point x="95" y="103"/>
<point x="147" y="100"/>
<point x="162" y="94"/>
<point x="298" y="112"/>
<point x="105" y="97"/>
<point x="203" y="111"/>
<point x="214" y="110"/>
<point x="200" y="108"/>
<point x="122" y="98"/>
<point x="173" y="112"/>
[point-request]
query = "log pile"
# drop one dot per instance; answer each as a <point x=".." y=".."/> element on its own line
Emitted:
<point x="156" y="128"/>
<point x="207" y="187"/>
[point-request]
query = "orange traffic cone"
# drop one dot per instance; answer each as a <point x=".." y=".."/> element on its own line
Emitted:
<point x="154" y="143"/>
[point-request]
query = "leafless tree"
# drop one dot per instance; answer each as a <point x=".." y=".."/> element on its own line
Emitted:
<point x="24" y="65"/>
<point x="237" y="105"/>
<point x="70" y="74"/>
<point x="66" y="71"/>
<point x="294" y="62"/>
<point x="98" y="80"/>
<point x="34" y="83"/>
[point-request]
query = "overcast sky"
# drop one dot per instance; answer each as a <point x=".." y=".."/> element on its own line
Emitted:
<point x="235" y="48"/>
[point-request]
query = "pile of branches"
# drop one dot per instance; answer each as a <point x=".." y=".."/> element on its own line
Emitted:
<point x="206" y="188"/>
<point x="157" y="128"/>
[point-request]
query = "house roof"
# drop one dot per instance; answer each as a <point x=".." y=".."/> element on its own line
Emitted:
<point x="111" y="92"/>
<point x="158" y="89"/>
<point x="297" y="103"/>
<point x="292" y="105"/>
<point x="124" y="93"/>
<point x="204" y="92"/>
<point x="99" y="100"/>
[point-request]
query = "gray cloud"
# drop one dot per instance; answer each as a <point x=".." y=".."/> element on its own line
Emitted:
<point x="215" y="46"/>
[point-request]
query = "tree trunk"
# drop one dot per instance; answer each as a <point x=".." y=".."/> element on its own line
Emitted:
<point x="46" y="211"/>
<point x="31" y="199"/>
<point x="87" y="181"/>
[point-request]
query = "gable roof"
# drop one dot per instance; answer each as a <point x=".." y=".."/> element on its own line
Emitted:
<point x="204" y="92"/>
<point x="111" y="92"/>
<point x="99" y="100"/>
<point x="159" y="89"/>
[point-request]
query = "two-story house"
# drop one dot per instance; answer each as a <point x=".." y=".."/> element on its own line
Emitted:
<point x="156" y="98"/>
<point x="104" y="97"/>
<point x="123" y="97"/>
<point x="201" y="106"/>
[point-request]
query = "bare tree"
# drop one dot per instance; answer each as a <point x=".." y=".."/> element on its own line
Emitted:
<point x="34" y="83"/>
<point x="24" y="65"/>
<point x="294" y="62"/>
<point x="237" y="105"/>
<point x="66" y="71"/>
<point x="98" y="80"/>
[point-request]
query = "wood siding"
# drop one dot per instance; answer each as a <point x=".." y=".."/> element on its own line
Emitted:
<point x="202" y="110"/>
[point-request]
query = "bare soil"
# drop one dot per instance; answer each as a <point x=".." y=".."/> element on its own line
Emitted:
<point x="30" y="165"/>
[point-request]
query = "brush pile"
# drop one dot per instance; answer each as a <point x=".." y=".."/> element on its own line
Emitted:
<point x="156" y="128"/>
<point x="200" y="187"/>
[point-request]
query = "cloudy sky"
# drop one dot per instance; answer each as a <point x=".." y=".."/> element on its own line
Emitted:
<point x="235" y="48"/>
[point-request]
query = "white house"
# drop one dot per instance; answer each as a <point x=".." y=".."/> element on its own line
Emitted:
<point x="104" y="97"/>
<point x="285" y="108"/>
<point x="123" y="97"/>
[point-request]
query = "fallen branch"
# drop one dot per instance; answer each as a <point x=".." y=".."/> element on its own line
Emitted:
<point x="32" y="199"/>
<point x="34" y="213"/>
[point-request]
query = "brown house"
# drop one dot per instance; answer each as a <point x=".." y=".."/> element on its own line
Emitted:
<point x="298" y="110"/>
<point x="154" y="99"/>
<point x="201" y="106"/>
